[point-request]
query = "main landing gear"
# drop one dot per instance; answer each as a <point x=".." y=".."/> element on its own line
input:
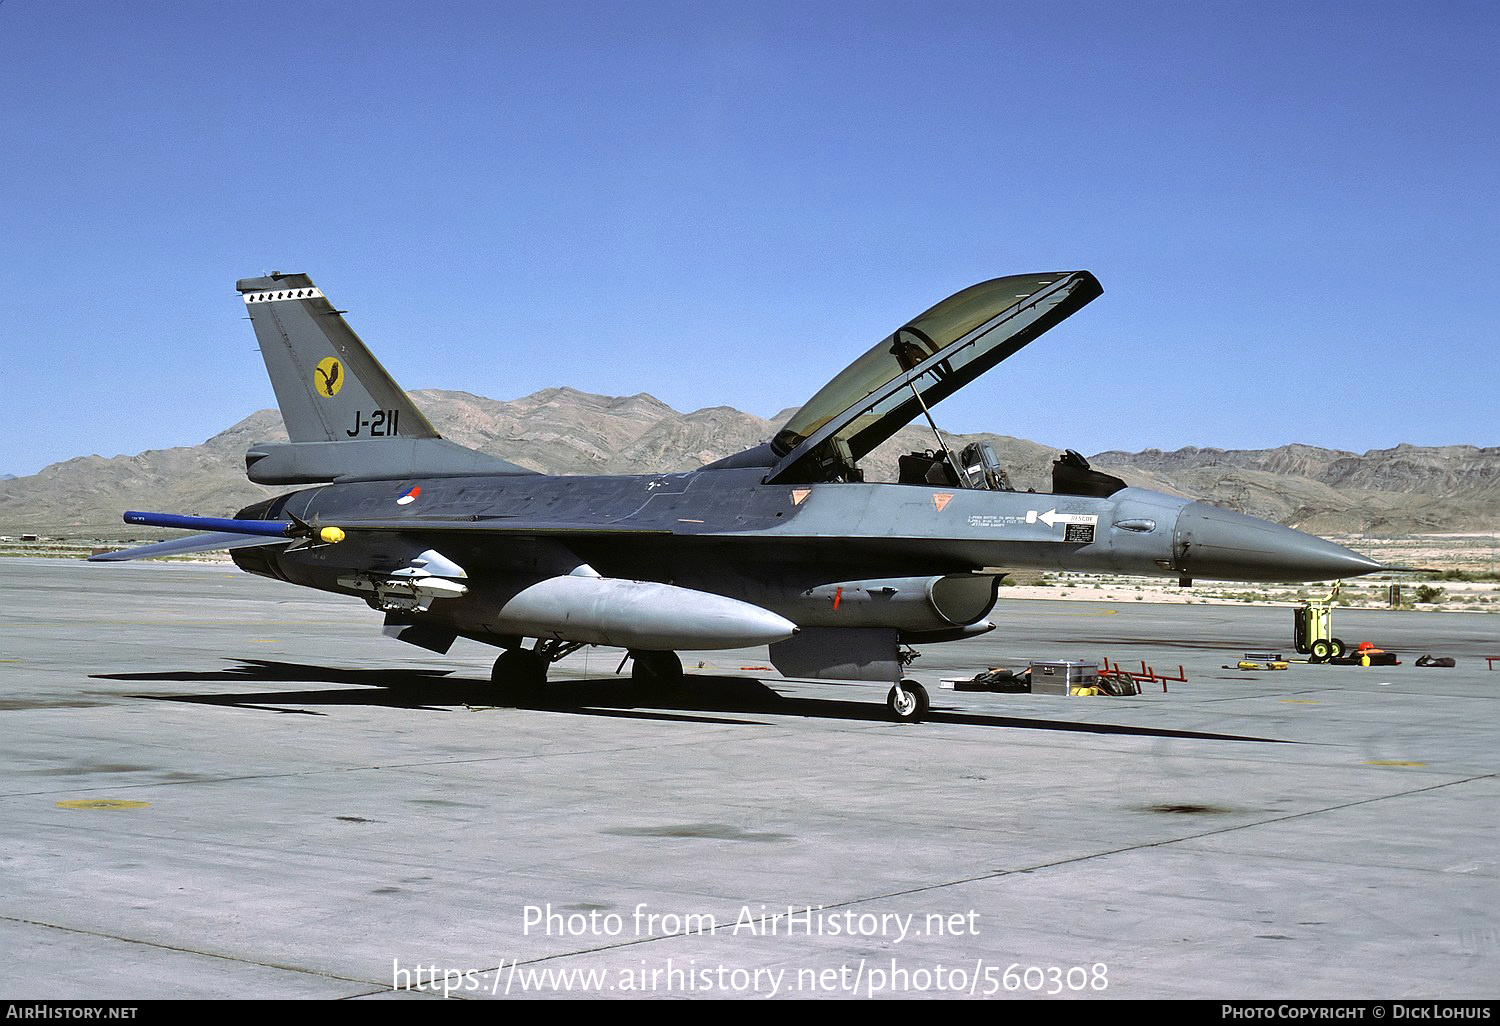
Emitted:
<point x="520" y="674"/>
<point x="656" y="673"/>
<point x="907" y="701"/>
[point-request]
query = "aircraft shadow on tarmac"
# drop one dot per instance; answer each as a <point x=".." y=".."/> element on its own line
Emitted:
<point x="697" y="701"/>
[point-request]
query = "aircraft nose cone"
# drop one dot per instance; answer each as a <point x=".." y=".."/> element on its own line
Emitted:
<point x="1219" y="543"/>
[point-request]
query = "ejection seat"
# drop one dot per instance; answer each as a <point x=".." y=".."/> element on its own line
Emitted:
<point x="1072" y="475"/>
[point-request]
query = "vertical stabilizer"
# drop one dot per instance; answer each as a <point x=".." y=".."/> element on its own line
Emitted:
<point x="346" y="418"/>
<point x="329" y="387"/>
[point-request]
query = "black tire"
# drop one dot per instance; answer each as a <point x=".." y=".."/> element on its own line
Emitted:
<point x="519" y="674"/>
<point x="1339" y="649"/>
<point x="907" y="702"/>
<point x="1320" y="651"/>
<point x="656" y="673"/>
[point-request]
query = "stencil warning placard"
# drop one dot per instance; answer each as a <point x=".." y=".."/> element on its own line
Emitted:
<point x="1083" y="534"/>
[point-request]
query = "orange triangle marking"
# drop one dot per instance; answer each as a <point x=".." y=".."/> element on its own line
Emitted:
<point x="799" y="495"/>
<point x="941" y="499"/>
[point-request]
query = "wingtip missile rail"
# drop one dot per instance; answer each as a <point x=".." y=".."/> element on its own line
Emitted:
<point x="228" y="525"/>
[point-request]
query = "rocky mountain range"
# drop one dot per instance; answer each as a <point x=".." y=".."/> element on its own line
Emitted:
<point x="1405" y="490"/>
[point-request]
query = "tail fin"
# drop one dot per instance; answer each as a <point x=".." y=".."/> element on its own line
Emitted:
<point x="345" y="416"/>
<point x="328" y="385"/>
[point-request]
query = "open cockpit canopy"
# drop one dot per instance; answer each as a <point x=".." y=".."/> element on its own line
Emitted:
<point x="923" y="362"/>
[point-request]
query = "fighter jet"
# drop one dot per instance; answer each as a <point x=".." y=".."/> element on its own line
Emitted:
<point x="785" y="544"/>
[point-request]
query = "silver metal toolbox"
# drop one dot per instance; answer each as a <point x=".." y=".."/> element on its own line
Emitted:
<point x="1060" y="676"/>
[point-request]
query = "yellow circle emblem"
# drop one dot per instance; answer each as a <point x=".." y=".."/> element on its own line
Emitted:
<point x="329" y="377"/>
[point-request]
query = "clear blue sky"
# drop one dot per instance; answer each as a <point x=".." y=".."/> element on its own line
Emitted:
<point x="1294" y="207"/>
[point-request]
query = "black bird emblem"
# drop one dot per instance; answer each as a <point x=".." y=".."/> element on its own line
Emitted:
<point x="330" y="378"/>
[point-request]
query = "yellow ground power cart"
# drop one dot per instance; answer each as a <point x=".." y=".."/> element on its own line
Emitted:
<point x="1312" y="628"/>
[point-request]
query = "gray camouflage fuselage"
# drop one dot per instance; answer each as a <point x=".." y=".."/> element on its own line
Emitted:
<point x="783" y="544"/>
<point x="784" y="548"/>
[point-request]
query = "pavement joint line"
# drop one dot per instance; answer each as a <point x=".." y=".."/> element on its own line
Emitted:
<point x="1032" y="869"/>
<point x="389" y="990"/>
<point x="1179" y="840"/>
<point x="1405" y="842"/>
<point x="188" y="951"/>
<point x="844" y="904"/>
<point x="1293" y="859"/>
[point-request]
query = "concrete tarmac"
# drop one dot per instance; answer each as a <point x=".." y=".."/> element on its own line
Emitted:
<point x="220" y="786"/>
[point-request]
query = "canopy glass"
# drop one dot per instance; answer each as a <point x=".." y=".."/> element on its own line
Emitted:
<point x="931" y="356"/>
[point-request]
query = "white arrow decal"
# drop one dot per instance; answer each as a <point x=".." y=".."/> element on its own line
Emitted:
<point x="1052" y="518"/>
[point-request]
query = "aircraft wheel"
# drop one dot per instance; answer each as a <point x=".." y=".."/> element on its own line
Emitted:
<point x="519" y="673"/>
<point x="1320" y="650"/>
<point x="1339" y="649"/>
<point x="907" y="701"/>
<point x="656" y="673"/>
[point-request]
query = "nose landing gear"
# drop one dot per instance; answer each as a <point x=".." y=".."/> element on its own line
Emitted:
<point x="907" y="701"/>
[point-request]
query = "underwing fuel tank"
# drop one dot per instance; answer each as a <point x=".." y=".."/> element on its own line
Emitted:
<point x="641" y="615"/>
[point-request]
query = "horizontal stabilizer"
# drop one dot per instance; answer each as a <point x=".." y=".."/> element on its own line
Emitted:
<point x="216" y="542"/>
<point x="292" y="463"/>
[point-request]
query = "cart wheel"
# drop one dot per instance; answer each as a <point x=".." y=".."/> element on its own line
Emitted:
<point x="1320" y="651"/>
<point x="1339" y="649"/>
